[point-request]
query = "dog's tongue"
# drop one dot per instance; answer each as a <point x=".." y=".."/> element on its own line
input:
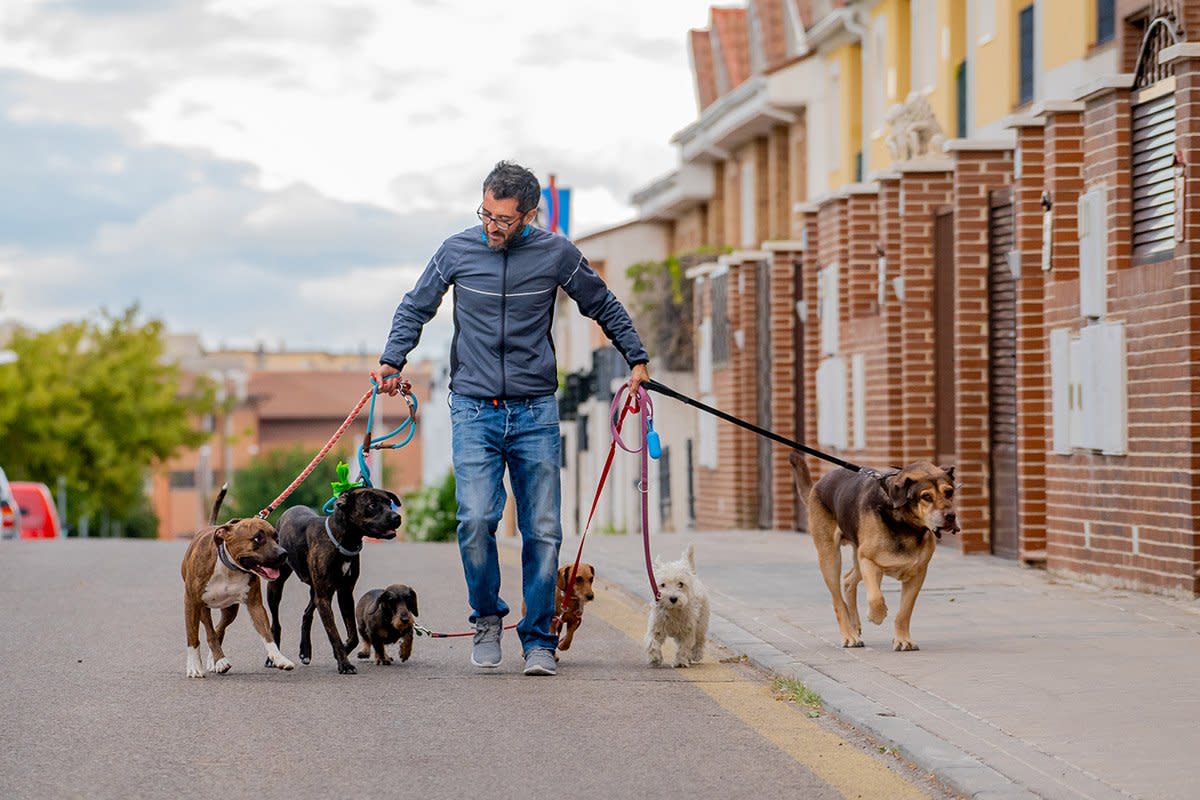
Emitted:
<point x="270" y="573"/>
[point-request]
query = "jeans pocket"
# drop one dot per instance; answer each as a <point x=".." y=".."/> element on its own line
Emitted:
<point x="544" y="411"/>
<point x="464" y="409"/>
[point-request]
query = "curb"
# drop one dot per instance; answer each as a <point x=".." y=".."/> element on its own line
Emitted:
<point x="955" y="767"/>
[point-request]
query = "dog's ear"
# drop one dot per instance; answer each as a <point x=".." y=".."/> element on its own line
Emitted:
<point x="949" y="472"/>
<point x="344" y="501"/>
<point x="410" y="600"/>
<point x="395" y="500"/>
<point x="564" y="575"/>
<point x="898" y="490"/>
<point x="222" y="532"/>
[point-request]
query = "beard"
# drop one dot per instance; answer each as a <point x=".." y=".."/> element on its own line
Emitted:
<point x="497" y="245"/>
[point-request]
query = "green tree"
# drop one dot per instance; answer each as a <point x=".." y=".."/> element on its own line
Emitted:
<point x="270" y="473"/>
<point x="95" y="402"/>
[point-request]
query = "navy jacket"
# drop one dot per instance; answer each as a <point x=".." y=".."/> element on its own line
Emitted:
<point x="503" y="312"/>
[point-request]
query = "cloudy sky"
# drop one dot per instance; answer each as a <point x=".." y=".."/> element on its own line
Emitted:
<point x="278" y="171"/>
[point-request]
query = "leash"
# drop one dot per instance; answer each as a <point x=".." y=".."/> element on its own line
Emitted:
<point x="655" y="386"/>
<point x="266" y="512"/>
<point x="421" y="630"/>
<point x="648" y="441"/>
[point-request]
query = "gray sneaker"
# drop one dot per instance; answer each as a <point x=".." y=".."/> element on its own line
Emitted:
<point x="540" y="662"/>
<point x="486" y="652"/>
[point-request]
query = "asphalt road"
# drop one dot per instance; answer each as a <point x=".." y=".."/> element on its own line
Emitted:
<point x="94" y="701"/>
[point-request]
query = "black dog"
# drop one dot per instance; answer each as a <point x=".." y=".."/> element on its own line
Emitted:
<point x="324" y="552"/>
<point x="385" y="616"/>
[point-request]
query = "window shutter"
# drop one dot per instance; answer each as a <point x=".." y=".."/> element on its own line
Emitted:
<point x="1103" y="379"/>
<point x="1154" y="176"/>
<point x="829" y="309"/>
<point x="1093" y="252"/>
<point x="1060" y="389"/>
<point x="858" y="371"/>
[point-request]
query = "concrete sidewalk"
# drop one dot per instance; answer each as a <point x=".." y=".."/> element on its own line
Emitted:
<point x="1025" y="685"/>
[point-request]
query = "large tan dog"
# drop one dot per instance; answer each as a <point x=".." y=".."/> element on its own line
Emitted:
<point x="887" y="520"/>
<point x="221" y="569"/>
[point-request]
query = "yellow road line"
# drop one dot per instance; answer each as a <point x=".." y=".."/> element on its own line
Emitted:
<point x="841" y="765"/>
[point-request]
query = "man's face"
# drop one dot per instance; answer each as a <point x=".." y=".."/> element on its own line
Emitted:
<point x="502" y="220"/>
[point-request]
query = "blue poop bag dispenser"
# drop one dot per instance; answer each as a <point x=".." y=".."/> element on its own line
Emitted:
<point x="653" y="445"/>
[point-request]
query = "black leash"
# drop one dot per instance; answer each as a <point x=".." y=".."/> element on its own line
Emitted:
<point x="667" y="391"/>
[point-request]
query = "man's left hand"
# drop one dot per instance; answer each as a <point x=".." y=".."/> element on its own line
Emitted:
<point x="637" y="376"/>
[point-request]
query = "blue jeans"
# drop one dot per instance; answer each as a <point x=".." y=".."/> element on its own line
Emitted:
<point x="523" y="436"/>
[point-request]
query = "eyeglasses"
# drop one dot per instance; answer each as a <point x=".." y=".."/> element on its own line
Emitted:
<point x="502" y="225"/>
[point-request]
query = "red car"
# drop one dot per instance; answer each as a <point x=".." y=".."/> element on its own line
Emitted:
<point x="39" y="517"/>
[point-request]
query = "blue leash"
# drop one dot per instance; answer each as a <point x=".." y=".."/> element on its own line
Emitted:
<point x="408" y="428"/>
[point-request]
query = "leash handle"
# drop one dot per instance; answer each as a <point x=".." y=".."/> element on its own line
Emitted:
<point x="655" y="386"/>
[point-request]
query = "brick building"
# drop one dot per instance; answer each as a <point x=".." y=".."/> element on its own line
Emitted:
<point x="959" y="231"/>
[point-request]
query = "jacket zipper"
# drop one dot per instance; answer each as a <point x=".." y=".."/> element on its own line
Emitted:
<point x="503" y="324"/>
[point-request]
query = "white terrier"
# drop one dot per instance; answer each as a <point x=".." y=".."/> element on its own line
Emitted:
<point x="681" y="611"/>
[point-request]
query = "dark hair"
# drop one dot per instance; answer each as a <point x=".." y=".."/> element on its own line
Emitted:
<point x="512" y="180"/>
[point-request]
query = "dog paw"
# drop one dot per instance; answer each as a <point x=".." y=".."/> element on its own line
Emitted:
<point x="305" y="660"/>
<point x="221" y="667"/>
<point x="346" y="668"/>
<point x="851" y="641"/>
<point x="281" y="662"/>
<point x="904" y="645"/>
<point x="363" y="655"/>
<point x="655" y="659"/>
<point x="878" y="613"/>
<point x="194" y="671"/>
<point x="681" y="663"/>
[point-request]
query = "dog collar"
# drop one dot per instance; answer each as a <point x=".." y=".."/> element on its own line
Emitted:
<point x="229" y="562"/>
<point x="337" y="544"/>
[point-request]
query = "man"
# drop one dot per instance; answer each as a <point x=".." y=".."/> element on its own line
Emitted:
<point x="506" y="275"/>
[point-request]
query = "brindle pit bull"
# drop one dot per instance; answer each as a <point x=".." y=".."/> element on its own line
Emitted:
<point x="324" y="552"/>
<point x="221" y="570"/>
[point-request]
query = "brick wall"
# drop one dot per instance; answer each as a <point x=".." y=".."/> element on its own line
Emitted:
<point x="1033" y="364"/>
<point x="784" y="402"/>
<point x="923" y="191"/>
<point x="977" y="173"/>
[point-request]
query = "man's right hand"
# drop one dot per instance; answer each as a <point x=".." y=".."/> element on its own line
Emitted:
<point x="389" y="380"/>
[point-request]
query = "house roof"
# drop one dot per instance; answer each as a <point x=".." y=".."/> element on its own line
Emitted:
<point x="702" y="68"/>
<point x="733" y="41"/>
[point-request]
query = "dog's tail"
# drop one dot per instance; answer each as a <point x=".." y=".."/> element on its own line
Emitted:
<point x="216" y="509"/>
<point x="800" y="477"/>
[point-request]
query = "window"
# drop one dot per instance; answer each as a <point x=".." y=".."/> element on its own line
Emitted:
<point x="1025" y="49"/>
<point x="1106" y="20"/>
<point x="183" y="479"/>
<point x="1154" y="176"/>
<point x="960" y="91"/>
<point x="720" y="319"/>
